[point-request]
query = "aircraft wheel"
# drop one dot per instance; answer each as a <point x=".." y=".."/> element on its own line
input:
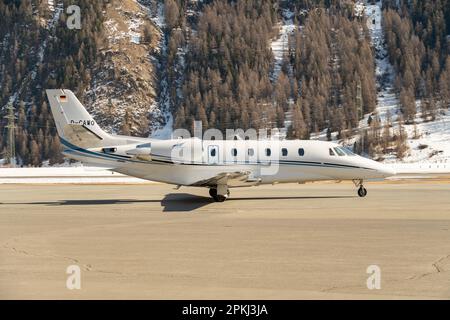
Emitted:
<point x="220" y="198"/>
<point x="362" y="192"/>
<point x="213" y="193"/>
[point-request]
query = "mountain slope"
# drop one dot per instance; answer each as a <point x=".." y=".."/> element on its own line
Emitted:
<point x="123" y="88"/>
<point x="374" y="76"/>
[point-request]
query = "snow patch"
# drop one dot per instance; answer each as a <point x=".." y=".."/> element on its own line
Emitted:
<point x="158" y="16"/>
<point x="133" y="30"/>
<point x="280" y="46"/>
<point x="433" y="143"/>
<point x="387" y="102"/>
<point x="161" y="107"/>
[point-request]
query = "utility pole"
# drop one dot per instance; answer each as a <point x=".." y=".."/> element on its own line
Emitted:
<point x="11" y="126"/>
<point x="359" y="102"/>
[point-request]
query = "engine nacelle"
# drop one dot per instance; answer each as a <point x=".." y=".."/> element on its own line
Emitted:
<point x="177" y="150"/>
<point x="141" y="153"/>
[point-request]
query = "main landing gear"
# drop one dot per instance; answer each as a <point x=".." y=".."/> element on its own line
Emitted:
<point x="220" y="193"/>
<point x="362" y="192"/>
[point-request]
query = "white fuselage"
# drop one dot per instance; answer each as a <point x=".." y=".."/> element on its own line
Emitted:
<point x="190" y="161"/>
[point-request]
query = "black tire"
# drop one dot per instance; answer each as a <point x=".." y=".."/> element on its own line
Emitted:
<point x="362" y="192"/>
<point x="220" y="198"/>
<point x="217" y="197"/>
<point x="213" y="193"/>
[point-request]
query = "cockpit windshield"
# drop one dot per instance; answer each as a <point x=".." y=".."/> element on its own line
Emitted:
<point x="341" y="151"/>
<point x="348" y="151"/>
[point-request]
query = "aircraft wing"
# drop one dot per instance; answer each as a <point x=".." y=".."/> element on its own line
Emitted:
<point x="232" y="179"/>
<point x="421" y="170"/>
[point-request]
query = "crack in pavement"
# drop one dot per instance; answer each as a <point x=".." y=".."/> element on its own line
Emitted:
<point x="437" y="265"/>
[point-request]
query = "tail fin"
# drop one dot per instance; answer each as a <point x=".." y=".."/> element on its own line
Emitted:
<point x="73" y="122"/>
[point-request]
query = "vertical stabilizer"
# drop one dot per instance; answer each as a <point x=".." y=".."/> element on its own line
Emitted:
<point x="73" y="122"/>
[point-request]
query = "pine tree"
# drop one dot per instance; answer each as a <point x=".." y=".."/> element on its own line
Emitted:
<point x="171" y="13"/>
<point x="408" y="104"/>
<point x="56" y="156"/>
<point x="147" y="34"/>
<point x="401" y="146"/>
<point x="35" y="157"/>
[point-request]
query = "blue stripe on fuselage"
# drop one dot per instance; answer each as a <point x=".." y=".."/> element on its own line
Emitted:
<point x="74" y="148"/>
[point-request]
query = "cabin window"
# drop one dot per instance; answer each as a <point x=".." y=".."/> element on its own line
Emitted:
<point x="234" y="152"/>
<point x="251" y="152"/>
<point x="301" y="152"/>
<point x="268" y="152"/>
<point x="331" y="152"/>
<point x="213" y="152"/>
<point x="339" y="152"/>
<point x="284" y="152"/>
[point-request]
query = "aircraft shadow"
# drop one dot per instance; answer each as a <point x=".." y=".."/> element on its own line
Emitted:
<point x="184" y="202"/>
<point x="173" y="202"/>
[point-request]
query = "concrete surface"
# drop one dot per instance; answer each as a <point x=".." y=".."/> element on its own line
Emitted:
<point x="312" y="241"/>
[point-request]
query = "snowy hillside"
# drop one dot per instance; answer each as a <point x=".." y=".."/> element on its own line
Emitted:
<point x="384" y="71"/>
<point x="124" y="88"/>
<point x="146" y="67"/>
<point x="280" y="45"/>
<point x="162" y="129"/>
<point x="433" y="142"/>
<point x="427" y="141"/>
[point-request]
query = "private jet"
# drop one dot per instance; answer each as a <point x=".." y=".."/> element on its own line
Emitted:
<point x="214" y="164"/>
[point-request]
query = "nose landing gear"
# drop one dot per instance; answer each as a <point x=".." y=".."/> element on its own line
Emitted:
<point x="362" y="192"/>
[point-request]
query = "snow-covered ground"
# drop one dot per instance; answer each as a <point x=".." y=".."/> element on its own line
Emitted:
<point x="433" y="146"/>
<point x="133" y="33"/>
<point x="158" y="16"/>
<point x="77" y="175"/>
<point x="51" y="5"/>
<point x="280" y="45"/>
<point x="133" y="29"/>
<point x="387" y="101"/>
